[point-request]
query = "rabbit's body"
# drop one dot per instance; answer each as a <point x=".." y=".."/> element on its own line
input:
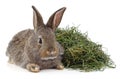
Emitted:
<point x="15" y="49"/>
<point x="37" y="49"/>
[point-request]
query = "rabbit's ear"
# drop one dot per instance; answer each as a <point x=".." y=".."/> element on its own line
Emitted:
<point x="55" y="19"/>
<point x="37" y="19"/>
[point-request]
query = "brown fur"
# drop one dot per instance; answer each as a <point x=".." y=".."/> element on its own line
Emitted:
<point x="25" y="50"/>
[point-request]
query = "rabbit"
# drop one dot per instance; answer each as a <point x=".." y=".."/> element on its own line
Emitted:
<point x="37" y="49"/>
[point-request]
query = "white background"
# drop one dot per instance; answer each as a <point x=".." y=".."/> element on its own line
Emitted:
<point x="100" y="18"/>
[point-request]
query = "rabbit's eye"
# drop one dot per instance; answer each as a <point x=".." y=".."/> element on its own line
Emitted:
<point x="40" y="41"/>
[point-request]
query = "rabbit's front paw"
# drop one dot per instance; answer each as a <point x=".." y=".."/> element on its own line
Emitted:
<point x="60" y="67"/>
<point x="33" y="67"/>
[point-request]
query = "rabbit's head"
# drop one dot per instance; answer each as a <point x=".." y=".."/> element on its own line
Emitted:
<point x="45" y="33"/>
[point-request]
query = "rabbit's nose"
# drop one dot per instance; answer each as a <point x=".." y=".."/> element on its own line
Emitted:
<point x="51" y="53"/>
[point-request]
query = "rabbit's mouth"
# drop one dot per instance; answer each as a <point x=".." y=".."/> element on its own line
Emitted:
<point x="48" y="58"/>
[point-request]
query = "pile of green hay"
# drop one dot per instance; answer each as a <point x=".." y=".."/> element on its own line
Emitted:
<point x="80" y="52"/>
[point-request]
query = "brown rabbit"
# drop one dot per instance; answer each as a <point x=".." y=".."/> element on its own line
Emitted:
<point x="37" y="49"/>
